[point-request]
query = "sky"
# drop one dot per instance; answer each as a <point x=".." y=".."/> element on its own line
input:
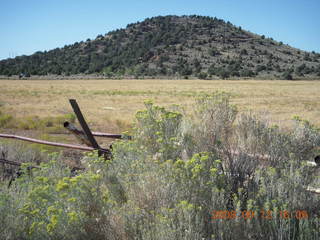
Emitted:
<point x="28" y="26"/>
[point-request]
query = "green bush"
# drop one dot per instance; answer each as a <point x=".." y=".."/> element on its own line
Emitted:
<point x="202" y="75"/>
<point x="287" y="76"/>
<point x="5" y="120"/>
<point x="52" y="205"/>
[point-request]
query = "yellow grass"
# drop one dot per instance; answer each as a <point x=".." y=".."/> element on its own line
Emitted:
<point x="108" y="103"/>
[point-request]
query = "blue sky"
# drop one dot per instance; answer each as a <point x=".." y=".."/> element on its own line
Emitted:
<point x="37" y="25"/>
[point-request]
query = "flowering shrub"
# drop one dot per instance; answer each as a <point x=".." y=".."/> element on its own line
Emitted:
<point x="211" y="175"/>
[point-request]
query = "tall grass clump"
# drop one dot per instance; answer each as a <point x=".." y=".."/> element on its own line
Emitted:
<point x="46" y="124"/>
<point x="213" y="174"/>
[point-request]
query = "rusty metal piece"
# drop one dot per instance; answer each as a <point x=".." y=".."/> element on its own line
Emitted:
<point x="77" y="133"/>
<point x="96" y="134"/>
<point x="313" y="190"/>
<point x="109" y="135"/>
<point x="78" y="147"/>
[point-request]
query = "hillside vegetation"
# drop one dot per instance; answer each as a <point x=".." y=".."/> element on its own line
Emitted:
<point x="173" y="46"/>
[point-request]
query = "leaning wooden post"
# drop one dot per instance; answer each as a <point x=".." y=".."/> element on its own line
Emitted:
<point x="87" y="131"/>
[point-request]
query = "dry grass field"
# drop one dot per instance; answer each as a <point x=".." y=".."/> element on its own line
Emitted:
<point x="110" y="105"/>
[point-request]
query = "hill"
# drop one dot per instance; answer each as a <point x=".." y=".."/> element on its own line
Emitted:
<point x="173" y="46"/>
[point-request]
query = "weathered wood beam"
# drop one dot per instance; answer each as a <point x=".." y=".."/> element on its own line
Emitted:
<point x="78" y="147"/>
<point x="84" y="124"/>
<point x="72" y="128"/>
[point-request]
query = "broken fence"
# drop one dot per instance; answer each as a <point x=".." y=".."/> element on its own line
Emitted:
<point x="84" y="135"/>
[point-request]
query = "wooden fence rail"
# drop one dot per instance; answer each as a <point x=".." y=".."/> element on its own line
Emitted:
<point x="84" y="135"/>
<point x="78" y="147"/>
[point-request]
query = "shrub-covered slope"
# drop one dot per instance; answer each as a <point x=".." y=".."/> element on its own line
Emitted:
<point x="173" y="46"/>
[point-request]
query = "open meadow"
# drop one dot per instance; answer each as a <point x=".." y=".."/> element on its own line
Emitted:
<point x="111" y="104"/>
